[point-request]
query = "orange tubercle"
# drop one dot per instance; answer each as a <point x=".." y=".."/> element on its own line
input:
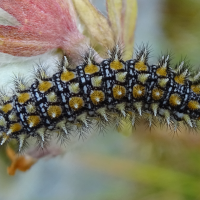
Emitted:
<point x="54" y="111"/>
<point x="23" y="98"/>
<point x="119" y="91"/>
<point x="195" y="89"/>
<point x="116" y="65"/>
<point x="161" y="71"/>
<point x="193" y="105"/>
<point x="157" y="94"/>
<point x="76" y="103"/>
<point x="175" y="100"/>
<point x="138" y="91"/>
<point x="140" y="66"/>
<point x="91" y="69"/>
<point x="97" y="97"/>
<point x="7" y="107"/>
<point x="180" y="79"/>
<point x="67" y="76"/>
<point x="44" y="86"/>
<point x="33" y="120"/>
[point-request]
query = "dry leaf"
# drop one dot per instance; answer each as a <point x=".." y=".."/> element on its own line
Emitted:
<point x="19" y="162"/>
<point x="96" y="24"/>
<point x="122" y="16"/>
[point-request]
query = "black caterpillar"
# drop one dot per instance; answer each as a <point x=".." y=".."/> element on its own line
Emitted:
<point x="75" y="99"/>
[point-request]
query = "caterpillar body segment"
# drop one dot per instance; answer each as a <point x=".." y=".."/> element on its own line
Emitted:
<point x="99" y="94"/>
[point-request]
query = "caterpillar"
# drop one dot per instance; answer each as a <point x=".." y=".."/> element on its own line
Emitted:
<point x="97" y="94"/>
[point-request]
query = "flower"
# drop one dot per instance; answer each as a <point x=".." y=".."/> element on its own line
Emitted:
<point x="44" y="25"/>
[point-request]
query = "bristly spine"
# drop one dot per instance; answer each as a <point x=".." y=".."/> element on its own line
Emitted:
<point x="98" y="95"/>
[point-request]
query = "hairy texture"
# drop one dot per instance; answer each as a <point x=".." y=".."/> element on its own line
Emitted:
<point x="44" y="25"/>
<point x="99" y="94"/>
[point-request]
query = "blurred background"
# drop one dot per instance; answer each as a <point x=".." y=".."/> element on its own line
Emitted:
<point x="147" y="164"/>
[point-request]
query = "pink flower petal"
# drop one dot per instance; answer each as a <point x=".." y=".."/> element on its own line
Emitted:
<point x="45" y="25"/>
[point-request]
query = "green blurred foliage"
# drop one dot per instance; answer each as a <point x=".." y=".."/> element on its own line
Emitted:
<point x="151" y="165"/>
<point x="181" y="26"/>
